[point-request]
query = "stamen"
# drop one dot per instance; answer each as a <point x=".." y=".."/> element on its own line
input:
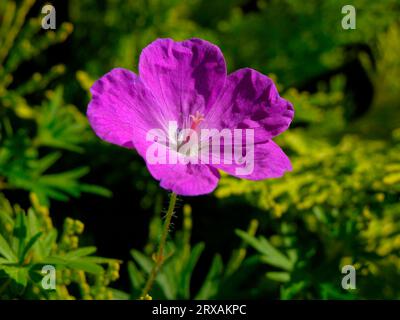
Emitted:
<point x="196" y="119"/>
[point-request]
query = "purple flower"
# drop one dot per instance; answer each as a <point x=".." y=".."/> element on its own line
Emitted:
<point x="187" y="83"/>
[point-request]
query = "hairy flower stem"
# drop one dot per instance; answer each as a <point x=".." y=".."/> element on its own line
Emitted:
<point x="159" y="257"/>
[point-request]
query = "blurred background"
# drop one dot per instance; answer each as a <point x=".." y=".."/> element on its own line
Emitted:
<point x="92" y="209"/>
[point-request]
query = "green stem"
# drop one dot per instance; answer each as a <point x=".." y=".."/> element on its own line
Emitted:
<point x="159" y="258"/>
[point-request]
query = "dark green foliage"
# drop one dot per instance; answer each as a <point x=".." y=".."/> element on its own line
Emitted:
<point x="29" y="241"/>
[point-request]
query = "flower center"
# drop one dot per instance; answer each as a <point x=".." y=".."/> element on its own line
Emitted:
<point x="195" y="121"/>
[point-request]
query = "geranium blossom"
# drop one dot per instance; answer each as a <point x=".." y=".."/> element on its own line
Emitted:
<point x="186" y="83"/>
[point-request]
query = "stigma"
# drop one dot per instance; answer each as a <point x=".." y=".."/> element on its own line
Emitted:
<point x="196" y="119"/>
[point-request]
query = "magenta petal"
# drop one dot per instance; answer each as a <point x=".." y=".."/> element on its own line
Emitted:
<point x="267" y="161"/>
<point x="184" y="77"/>
<point x="122" y="110"/>
<point x="186" y="180"/>
<point x="251" y="100"/>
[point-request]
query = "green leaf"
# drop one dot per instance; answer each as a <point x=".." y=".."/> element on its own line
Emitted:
<point x="278" y="276"/>
<point x="5" y="211"/>
<point x="54" y="260"/>
<point x="293" y="290"/>
<point x="147" y="264"/>
<point x="269" y="254"/>
<point x="20" y="233"/>
<point x="84" y="251"/>
<point x="82" y="264"/>
<point x="46" y="162"/>
<point x="90" y="188"/>
<point x="18" y="274"/>
<point x="328" y="291"/>
<point x="135" y="276"/>
<point x="60" y="125"/>
<point x="6" y="251"/>
<point x="100" y="260"/>
<point x="211" y="284"/>
<point x="34" y="228"/>
<point x="186" y="273"/>
<point x="28" y="246"/>
<point x="33" y="223"/>
<point x="5" y="261"/>
<point x="47" y="242"/>
<point x="277" y="261"/>
<point x="118" y="294"/>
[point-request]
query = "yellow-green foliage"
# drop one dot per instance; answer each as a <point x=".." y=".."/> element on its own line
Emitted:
<point x="345" y="186"/>
<point x="20" y="42"/>
<point x="54" y="124"/>
<point x="28" y="239"/>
